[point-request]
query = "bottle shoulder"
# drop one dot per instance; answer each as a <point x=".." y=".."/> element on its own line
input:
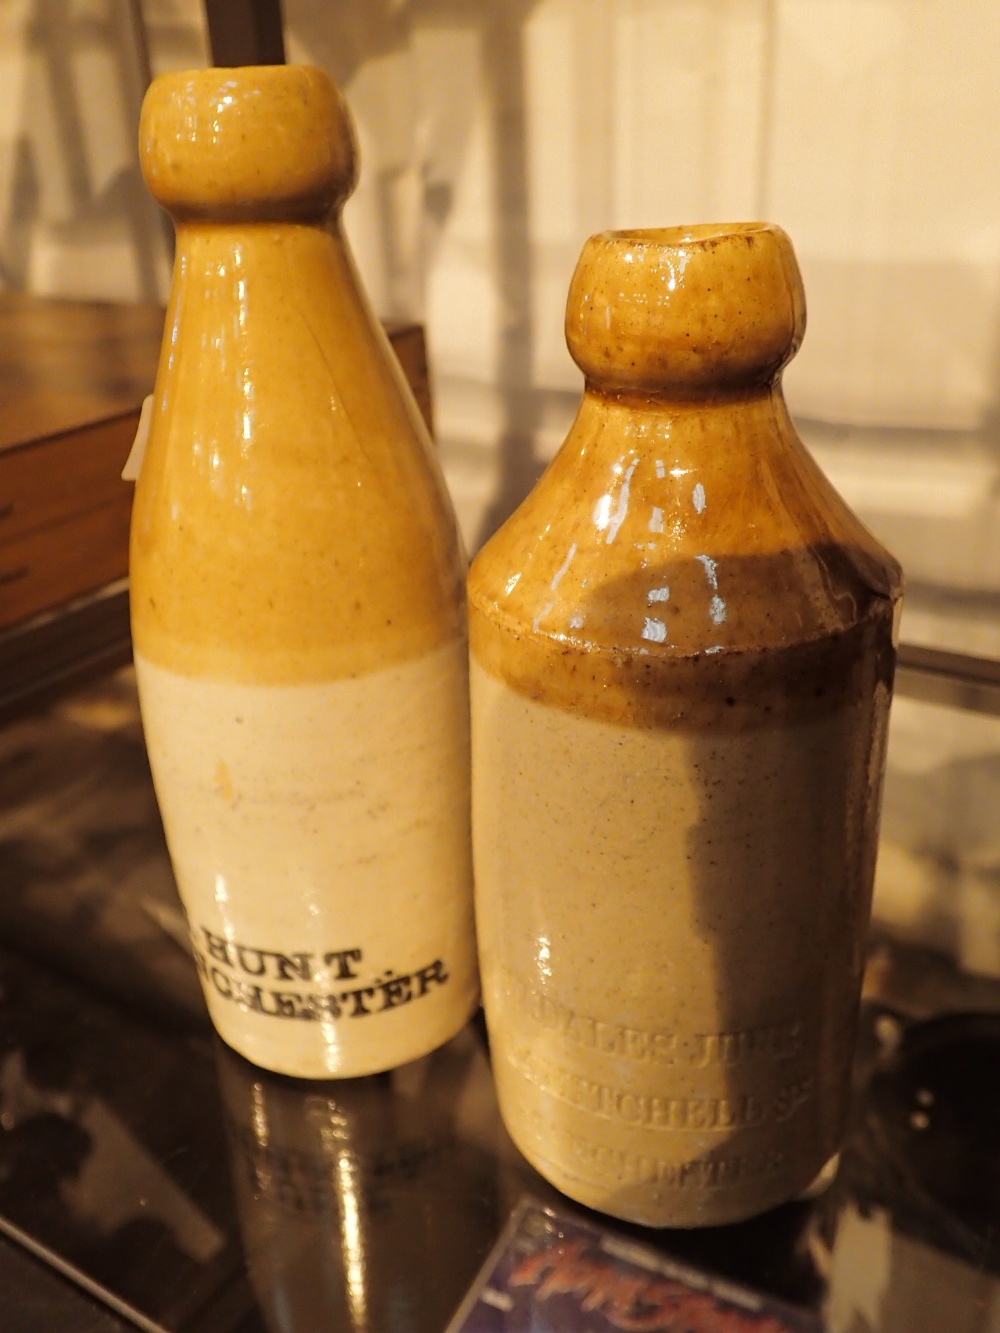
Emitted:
<point x="289" y="503"/>
<point x="682" y="532"/>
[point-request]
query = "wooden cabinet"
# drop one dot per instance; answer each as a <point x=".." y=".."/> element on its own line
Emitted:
<point x="73" y="375"/>
<point x="72" y="379"/>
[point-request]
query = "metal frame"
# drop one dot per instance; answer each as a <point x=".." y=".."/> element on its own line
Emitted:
<point x="245" y="32"/>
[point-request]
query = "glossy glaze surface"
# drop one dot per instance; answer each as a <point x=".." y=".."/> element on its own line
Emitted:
<point x="296" y="586"/>
<point x="682" y="663"/>
<point x="290" y="520"/>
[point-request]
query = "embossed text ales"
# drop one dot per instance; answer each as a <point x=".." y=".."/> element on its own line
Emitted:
<point x="297" y="603"/>
<point x="682" y="656"/>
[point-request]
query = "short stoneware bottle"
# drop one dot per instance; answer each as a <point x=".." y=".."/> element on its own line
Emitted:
<point x="682" y="656"/>
<point x="297" y="602"/>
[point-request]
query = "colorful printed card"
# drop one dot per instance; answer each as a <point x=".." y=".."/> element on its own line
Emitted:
<point x="551" y="1272"/>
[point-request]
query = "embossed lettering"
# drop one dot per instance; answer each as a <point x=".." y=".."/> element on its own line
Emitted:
<point x="608" y="1038"/>
<point x="715" y="1171"/>
<point x="780" y="1041"/>
<point x="699" y="1050"/>
<point x="649" y="1110"/>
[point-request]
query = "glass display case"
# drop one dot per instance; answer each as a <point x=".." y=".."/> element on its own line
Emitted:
<point x="148" y="1173"/>
<point x="148" y="1177"/>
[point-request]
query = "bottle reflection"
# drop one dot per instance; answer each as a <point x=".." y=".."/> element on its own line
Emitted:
<point x="363" y="1203"/>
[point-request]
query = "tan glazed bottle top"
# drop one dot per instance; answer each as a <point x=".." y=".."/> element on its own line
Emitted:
<point x="685" y="308"/>
<point x="290" y="521"/>
<point x="269" y="142"/>
<point x="683" y="538"/>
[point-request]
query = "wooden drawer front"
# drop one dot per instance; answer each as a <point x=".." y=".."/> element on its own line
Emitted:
<point x="48" y="480"/>
<point x="62" y="560"/>
<point x="64" y="509"/>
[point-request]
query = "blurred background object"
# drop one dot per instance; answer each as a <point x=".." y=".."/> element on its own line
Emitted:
<point x="497" y="134"/>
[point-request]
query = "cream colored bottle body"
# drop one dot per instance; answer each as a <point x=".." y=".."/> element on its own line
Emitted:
<point x="681" y="668"/>
<point x="296" y="604"/>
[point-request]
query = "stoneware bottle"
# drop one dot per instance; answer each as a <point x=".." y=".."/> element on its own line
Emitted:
<point x="297" y="602"/>
<point x="682" y="656"/>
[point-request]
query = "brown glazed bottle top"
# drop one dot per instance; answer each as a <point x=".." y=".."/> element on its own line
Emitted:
<point x="683" y="553"/>
<point x="267" y="142"/>
<point x="685" y="308"/>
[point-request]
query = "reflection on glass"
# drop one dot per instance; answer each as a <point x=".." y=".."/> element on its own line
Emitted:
<point x="363" y="1203"/>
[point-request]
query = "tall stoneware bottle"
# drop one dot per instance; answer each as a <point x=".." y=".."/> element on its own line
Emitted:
<point x="297" y="602"/>
<point x="682" y="656"/>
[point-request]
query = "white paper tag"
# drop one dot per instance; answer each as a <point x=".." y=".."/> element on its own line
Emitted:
<point x="134" y="461"/>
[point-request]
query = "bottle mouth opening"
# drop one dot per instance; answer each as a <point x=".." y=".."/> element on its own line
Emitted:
<point x="698" y="233"/>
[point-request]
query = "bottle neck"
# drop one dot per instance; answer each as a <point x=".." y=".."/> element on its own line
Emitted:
<point x="723" y="397"/>
<point x="712" y="430"/>
<point x="218" y="251"/>
<point x="237" y="285"/>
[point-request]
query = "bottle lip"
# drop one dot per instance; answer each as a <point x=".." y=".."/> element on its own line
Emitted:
<point x="256" y="142"/>
<point x="685" y="308"/>
<point x="699" y="233"/>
